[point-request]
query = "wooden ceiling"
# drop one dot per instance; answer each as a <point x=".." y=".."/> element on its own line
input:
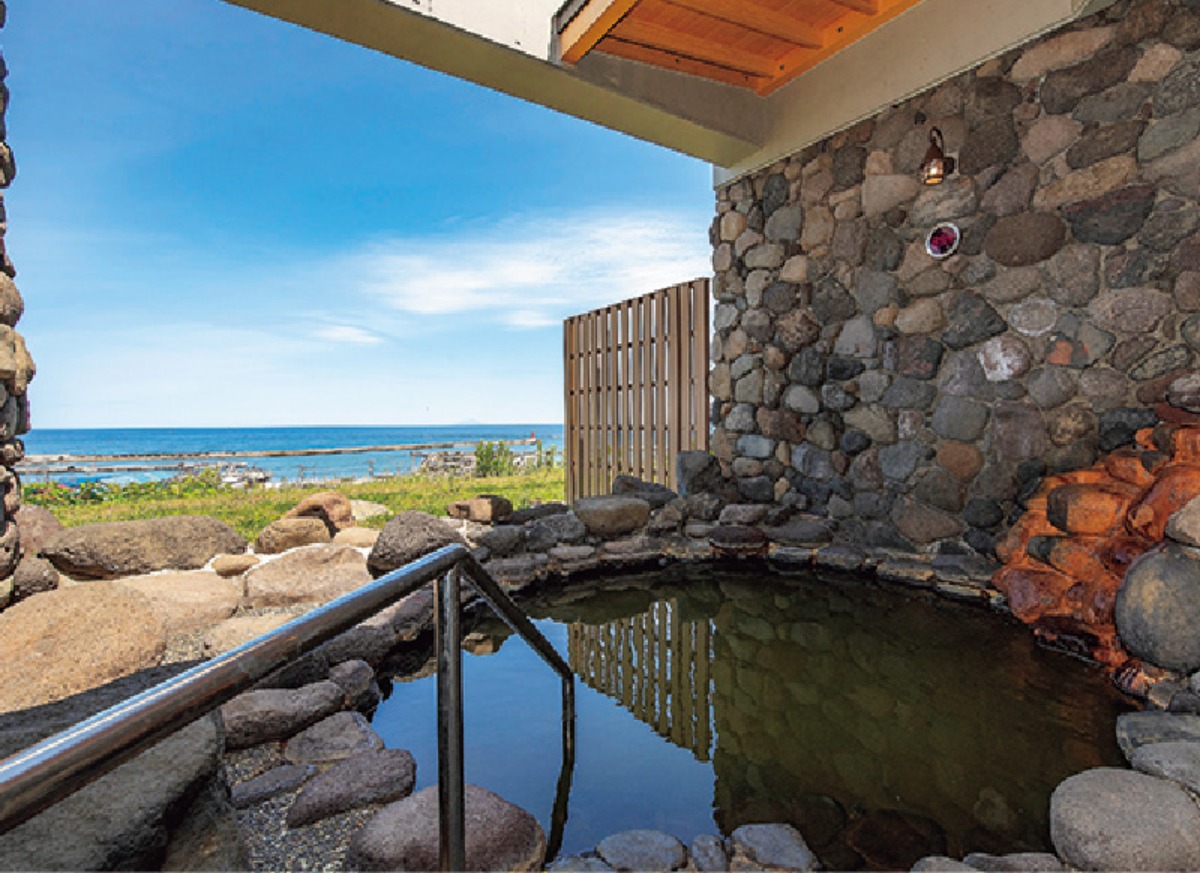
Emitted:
<point x="756" y="44"/>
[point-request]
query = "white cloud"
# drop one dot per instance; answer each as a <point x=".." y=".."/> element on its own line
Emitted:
<point x="344" y="333"/>
<point x="531" y="270"/>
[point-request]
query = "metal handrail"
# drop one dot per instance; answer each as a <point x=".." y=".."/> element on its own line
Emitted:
<point x="38" y="777"/>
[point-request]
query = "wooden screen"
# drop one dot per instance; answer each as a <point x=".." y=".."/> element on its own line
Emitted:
<point x="636" y="388"/>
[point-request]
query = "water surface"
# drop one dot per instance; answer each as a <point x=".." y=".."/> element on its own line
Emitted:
<point x="884" y="724"/>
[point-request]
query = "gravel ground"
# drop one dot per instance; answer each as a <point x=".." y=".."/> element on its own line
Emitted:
<point x="270" y="843"/>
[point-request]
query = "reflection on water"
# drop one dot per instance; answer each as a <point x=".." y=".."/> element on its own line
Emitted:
<point x="884" y="725"/>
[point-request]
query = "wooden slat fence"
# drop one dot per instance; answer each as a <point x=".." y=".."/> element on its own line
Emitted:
<point x="635" y="388"/>
<point x="656" y="666"/>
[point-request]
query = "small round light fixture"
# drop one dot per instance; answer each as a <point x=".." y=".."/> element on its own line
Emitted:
<point x="943" y="241"/>
<point x="936" y="166"/>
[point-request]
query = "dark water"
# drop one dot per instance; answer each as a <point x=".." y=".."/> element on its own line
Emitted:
<point x="132" y="441"/>
<point x="884" y="725"/>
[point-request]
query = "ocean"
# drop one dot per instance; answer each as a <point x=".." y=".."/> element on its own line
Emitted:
<point x="140" y="441"/>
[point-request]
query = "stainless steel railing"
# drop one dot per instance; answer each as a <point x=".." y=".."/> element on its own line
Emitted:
<point x="38" y="777"/>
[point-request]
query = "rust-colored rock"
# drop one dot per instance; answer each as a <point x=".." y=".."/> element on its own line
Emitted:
<point x="1175" y="487"/>
<point x="1080" y="557"/>
<point x="1185" y="444"/>
<point x="1011" y="547"/>
<point x="1137" y="467"/>
<point x="1088" y="509"/>
<point x="1032" y="591"/>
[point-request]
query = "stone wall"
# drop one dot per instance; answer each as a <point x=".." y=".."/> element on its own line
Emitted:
<point x="16" y="369"/>
<point x="914" y="400"/>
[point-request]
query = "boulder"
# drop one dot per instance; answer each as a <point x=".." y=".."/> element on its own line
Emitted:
<point x="265" y="714"/>
<point x="121" y="820"/>
<point x="485" y="509"/>
<point x="642" y="850"/>
<point x="358" y="537"/>
<point x="1109" y="819"/>
<point x="131" y="548"/>
<point x="653" y="493"/>
<point x="707" y="853"/>
<point x="404" y="835"/>
<point x="276" y="781"/>
<point x="1137" y="729"/>
<point x="187" y="601"/>
<point x="33" y="576"/>
<point x="66" y="641"/>
<point x="332" y="739"/>
<point x="543" y="534"/>
<point x="407" y="537"/>
<point x="37" y="524"/>
<point x="773" y="846"/>
<point x="1178" y="760"/>
<point x="315" y="574"/>
<point x="330" y="507"/>
<point x="233" y="565"/>
<point x="697" y="472"/>
<point x="357" y="681"/>
<point x="291" y="533"/>
<point x="378" y="776"/>
<point x="1016" y="862"/>
<point x="240" y="629"/>
<point x="1158" y="608"/>
<point x="613" y="515"/>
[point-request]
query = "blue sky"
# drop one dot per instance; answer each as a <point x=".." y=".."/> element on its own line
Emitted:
<point x="220" y="219"/>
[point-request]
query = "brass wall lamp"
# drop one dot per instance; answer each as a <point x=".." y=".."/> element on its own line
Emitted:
<point x="936" y="166"/>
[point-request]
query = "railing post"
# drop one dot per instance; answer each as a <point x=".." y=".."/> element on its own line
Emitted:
<point x="451" y="802"/>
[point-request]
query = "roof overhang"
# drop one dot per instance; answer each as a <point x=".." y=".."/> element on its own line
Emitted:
<point x="517" y="48"/>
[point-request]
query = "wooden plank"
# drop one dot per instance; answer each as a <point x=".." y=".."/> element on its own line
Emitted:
<point x="589" y="25"/>
<point x="591" y="387"/>
<point x="866" y="7"/>
<point x="680" y="391"/>
<point x="851" y="28"/>
<point x="657" y="36"/>
<point x="570" y="413"/>
<point x="760" y="18"/>
<point x="700" y="349"/>
<point x="648" y="377"/>
<point x="703" y="689"/>
<point x="678" y="665"/>
<point x="663" y="421"/>
<point x="610" y="400"/>
<point x="637" y="387"/>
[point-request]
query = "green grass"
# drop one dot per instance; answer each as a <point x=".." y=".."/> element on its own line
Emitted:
<point x="249" y="510"/>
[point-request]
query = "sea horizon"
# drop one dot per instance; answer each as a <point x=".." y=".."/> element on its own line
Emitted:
<point x="267" y="438"/>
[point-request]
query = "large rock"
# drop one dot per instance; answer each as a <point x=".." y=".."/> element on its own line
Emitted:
<point x="1178" y="761"/>
<point x="486" y="508"/>
<point x="266" y="714"/>
<point x="1108" y="819"/>
<point x="378" y="776"/>
<point x="33" y="576"/>
<point x="654" y="493"/>
<point x="404" y="835"/>
<point x="131" y="548"/>
<point x="233" y="632"/>
<point x="407" y="537"/>
<point x="37" y="524"/>
<point x="121" y="820"/>
<point x="697" y="472"/>
<point x="315" y="574"/>
<point x="66" y="641"/>
<point x="330" y="507"/>
<point x="291" y="533"/>
<point x="187" y="601"/>
<point x="611" y="516"/>
<point x="1158" y="608"/>
<point x="340" y="736"/>
<point x="642" y="850"/>
<point x="773" y="846"/>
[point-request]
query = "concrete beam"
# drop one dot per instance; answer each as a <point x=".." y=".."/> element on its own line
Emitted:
<point x="506" y="46"/>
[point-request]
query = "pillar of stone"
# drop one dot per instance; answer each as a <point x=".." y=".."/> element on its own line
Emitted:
<point x="16" y="367"/>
